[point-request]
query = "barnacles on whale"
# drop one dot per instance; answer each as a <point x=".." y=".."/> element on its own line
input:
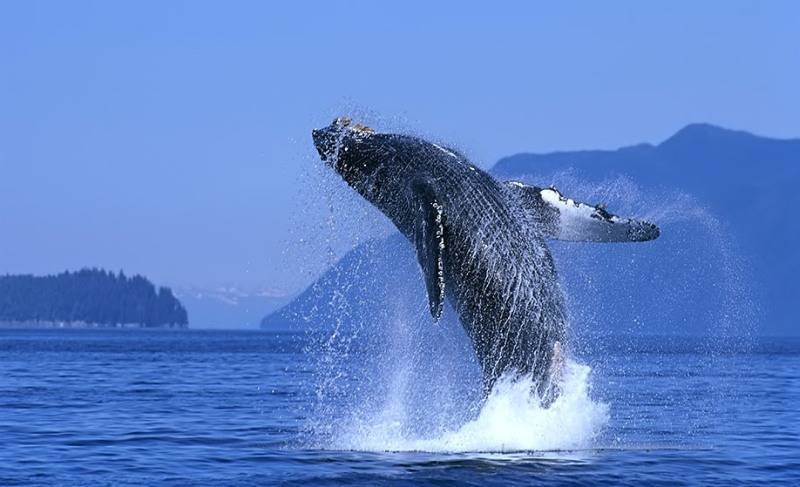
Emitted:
<point x="360" y="127"/>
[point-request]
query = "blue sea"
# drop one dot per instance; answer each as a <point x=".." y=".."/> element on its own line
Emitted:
<point x="184" y="407"/>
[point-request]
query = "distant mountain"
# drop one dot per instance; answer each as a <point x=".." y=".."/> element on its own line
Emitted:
<point x="749" y="182"/>
<point x="229" y="307"/>
<point x="89" y="297"/>
<point x="356" y="288"/>
<point x="727" y="257"/>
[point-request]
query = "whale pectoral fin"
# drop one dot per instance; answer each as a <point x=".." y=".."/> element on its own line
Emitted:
<point x="562" y="218"/>
<point x="429" y="243"/>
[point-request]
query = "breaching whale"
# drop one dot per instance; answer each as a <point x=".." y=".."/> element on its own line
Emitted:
<point x="481" y="243"/>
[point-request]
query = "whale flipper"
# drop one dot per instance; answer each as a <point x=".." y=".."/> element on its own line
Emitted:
<point x="562" y="218"/>
<point x="429" y="243"/>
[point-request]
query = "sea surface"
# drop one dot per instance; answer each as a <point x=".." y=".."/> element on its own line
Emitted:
<point x="184" y="407"/>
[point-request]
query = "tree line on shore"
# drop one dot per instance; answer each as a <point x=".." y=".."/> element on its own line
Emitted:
<point x="92" y="296"/>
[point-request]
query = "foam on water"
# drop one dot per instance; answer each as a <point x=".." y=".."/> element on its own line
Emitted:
<point x="510" y="420"/>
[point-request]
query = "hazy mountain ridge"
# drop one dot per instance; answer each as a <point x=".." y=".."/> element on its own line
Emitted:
<point x="746" y="181"/>
<point x="355" y="286"/>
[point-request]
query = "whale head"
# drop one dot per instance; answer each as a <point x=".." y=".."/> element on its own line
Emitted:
<point x="341" y="144"/>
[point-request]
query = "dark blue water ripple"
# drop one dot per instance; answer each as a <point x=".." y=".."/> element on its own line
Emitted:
<point x="135" y="407"/>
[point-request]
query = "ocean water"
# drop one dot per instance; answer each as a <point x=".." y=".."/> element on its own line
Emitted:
<point x="183" y="407"/>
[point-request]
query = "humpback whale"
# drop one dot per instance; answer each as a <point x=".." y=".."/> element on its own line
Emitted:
<point x="481" y="243"/>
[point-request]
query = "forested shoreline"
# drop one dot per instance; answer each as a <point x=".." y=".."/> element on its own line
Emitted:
<point x="88" y="298"/>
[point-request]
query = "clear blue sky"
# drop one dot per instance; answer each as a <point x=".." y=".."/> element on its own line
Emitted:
<point x="171" y="138"/>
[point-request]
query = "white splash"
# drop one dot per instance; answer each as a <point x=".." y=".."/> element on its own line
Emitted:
<point x="511" y="420"/>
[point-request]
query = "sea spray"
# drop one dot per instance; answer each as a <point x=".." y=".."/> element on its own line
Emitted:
<point x="394" y="381"/>
<point x="510" y="420"/>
